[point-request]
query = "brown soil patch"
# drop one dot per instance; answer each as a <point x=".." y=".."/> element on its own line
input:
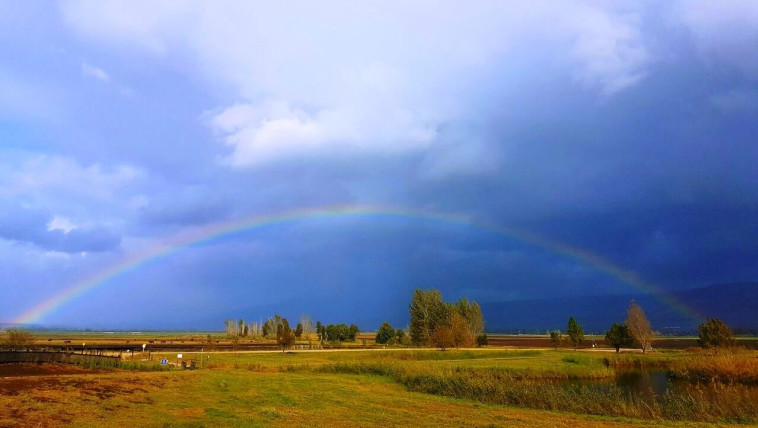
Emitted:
<point x="32" y="369"/>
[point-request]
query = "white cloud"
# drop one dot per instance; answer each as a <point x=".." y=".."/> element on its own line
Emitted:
<point x="358" y="77"/>
<point x="61" y="223"/>
<point x="95" y="72"/>
<point x="268" y="131"/>
<point x="609" y="49"/>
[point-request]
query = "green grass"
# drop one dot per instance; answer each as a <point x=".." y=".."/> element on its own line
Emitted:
<point x="393" y="388"/>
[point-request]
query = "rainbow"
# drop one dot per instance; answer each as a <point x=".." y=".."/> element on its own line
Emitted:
<point x="213" y="232"/>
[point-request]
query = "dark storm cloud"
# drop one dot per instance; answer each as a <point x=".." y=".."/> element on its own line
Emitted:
<point x="190" y="206"/>
<point x="620" y="128"/>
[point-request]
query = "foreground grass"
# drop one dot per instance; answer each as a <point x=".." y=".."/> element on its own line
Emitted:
<point x="229" y="397"/>
<point x="394" y="388"/>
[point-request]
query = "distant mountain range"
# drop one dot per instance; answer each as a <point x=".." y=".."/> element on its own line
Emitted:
<point x="735" y="304"/>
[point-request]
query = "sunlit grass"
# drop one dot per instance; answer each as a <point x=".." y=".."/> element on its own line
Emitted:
<point x="408" y="387"/>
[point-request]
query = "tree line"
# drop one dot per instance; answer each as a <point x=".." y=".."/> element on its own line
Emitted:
<point x="636" y="331"/>
<point x="279" y="328"/>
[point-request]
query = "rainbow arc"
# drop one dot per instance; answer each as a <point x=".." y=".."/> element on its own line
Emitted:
<point x="205" y="234"/>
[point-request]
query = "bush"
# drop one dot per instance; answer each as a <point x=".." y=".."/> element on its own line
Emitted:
<point x="714" y="333"/>
<point x="18" y="339"/>
<point x="385" y="333"/>
<point x="443" y="337"/>
<point x="482" y="340"/>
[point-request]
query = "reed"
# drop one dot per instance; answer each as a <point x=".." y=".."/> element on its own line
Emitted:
<point x="541" y="390"/>
<point x="725" y="366"/>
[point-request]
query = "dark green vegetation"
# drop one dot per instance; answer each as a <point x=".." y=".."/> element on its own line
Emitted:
<point x="714" y="333"/>
<point x="385" y="333"/>
<point x="618" y="336"/>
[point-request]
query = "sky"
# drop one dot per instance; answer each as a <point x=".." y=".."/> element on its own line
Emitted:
<point x="621" y="129"/>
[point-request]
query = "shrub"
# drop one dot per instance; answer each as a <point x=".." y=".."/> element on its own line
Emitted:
<point x="714" y="333"/>
<point x="482" y="340"/>
<point x="18" y="339"/>
<point x="385" y="333"/>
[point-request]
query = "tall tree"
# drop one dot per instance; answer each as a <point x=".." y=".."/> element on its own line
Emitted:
<point x="284" y="335"/>
<point x="714" y="333"/>
<point x="575" y="332"/>
<point x="472" y="313"/>
<point x="427" y="312"/>
<point x="299" y="330"/>
<point x="269" y="328"/>
<point x="475" y="319"/>
<point x="618" y="336"/>
<point x="639" y="326"/>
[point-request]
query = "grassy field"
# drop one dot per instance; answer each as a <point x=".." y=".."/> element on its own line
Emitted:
<point x="358" y="388"/>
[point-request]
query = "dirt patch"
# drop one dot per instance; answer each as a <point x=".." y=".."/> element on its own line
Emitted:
<point x="15" y="385"/>
<point x="31" y="369"/>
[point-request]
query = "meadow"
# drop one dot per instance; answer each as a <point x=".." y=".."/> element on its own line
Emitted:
<point x="399" y="387"/>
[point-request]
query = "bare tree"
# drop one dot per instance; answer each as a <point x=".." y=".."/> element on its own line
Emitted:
<point x="307" y="323"/>
<point x="254" y="328"/>
<point x="231" y="327"/>
<point x="639" y="326"/>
